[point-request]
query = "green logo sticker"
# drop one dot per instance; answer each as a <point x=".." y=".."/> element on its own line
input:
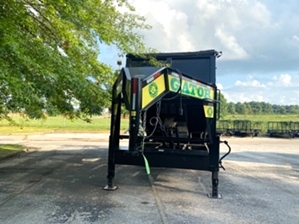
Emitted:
<point x="210" y="111"/>
<point x="153" y="90"/>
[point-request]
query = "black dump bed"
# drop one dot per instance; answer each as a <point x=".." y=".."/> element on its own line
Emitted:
<point x="199" y="64"/>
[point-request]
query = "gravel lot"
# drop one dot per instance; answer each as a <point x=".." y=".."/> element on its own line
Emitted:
<point x="60" y="180"/>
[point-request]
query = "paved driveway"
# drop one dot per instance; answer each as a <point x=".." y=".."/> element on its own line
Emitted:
<point x="61" y="183"/>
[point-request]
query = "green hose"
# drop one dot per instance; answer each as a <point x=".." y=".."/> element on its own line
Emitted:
<point x="147" y="167"/>
<point x="142" y="133"/>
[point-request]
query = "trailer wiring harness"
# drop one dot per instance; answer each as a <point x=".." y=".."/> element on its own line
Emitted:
<point x="155" y="121"/>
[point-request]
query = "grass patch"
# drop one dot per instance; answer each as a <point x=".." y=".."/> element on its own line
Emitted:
<point x="6" y="149"/>
<point x="58" y="124"/>
<point x="264" y="117"/>
<point x="99" y="124"/>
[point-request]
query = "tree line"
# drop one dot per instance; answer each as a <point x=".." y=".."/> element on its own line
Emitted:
<point x="255" y="108"/>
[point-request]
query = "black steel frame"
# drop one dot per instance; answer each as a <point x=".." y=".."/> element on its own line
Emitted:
<point x="197" y="160"/>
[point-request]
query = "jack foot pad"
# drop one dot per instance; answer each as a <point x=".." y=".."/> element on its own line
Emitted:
<point x="110" y="188"/>
<point x="218" y="196"/>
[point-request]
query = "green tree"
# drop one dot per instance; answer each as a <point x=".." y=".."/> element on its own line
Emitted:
<point x="223" y="106"/>
<point x="238" y="107"/>
<point x="279" y="109"/>
<point x="267" y="108"/>
<point x="49" y="51"/>
<point x="231" y="108"/>
<point x="282" y="110"/>
<point x="256" y="107"/>
<point x="249" y="109"/>
<point x="241" y="108"/>
<point x="292" y="109"/>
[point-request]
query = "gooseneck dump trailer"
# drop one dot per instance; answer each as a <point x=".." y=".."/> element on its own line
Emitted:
<point x="172" y="114"/>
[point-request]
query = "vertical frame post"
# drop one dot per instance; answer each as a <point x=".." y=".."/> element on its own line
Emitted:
<point x="135" y="113"/>
<point x="214" y="153"/>
<point x="113" y="138"/>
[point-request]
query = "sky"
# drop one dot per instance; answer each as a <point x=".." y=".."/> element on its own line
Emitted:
<point x="259" y="41"/>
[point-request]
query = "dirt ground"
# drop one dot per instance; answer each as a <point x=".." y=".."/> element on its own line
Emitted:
<point x="60" y="180"/>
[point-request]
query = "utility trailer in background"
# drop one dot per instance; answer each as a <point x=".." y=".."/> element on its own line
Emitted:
<point x="280" y="129"/>
<point x="172" y="114"/>
<point x="225" y="127"/>
<point x="243" y="128"/>
<point x="294" y="126"/>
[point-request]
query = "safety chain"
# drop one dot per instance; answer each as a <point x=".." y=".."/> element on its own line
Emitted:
<point x="143" y="129"/>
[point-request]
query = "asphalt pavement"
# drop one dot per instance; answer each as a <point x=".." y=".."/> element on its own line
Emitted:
<point x="59" y="179"/>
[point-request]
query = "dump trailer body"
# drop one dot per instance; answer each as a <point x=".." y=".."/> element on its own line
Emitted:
<point x="172" y="115"/>
<point x="200" y="64"/>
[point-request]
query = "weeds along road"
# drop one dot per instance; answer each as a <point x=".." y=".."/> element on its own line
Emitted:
<point x="62" y="180"/>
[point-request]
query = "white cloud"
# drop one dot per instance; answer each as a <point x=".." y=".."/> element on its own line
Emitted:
<point x="281" y="89"/>
<point x="252" y="34"/>
<point x="244" y="96"/>
<point x="170" y="26"/>
<point x="256" y="37"/>
<point x="219" y="86"/>
<point x="283" y="79"/>
<point x="201" y="24"/>
<point x="251" y="82"/>
<point x="295" y="37"/>
<point x="229" y="41"/>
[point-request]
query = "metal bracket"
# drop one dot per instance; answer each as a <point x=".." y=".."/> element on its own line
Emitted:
<point x="110" y="188"/>
<point x="218" y="196"/>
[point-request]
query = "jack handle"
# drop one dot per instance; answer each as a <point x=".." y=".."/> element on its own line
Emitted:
<point x="226" y="154"/>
